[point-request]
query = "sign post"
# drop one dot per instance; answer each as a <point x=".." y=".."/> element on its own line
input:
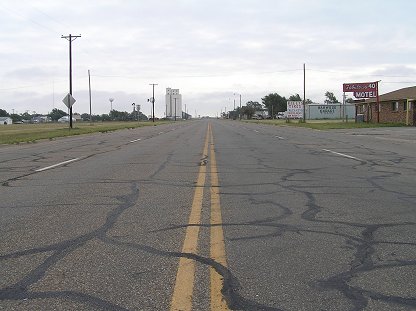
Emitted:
<point x="69" y="101"/>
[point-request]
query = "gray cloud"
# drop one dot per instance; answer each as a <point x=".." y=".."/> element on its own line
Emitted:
<point x="208" y="49"/>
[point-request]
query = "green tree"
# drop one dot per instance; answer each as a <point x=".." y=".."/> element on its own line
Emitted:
<point x="255" y="105"/>
<point x="85" y="117"/>
<point x="330" y="98"/>
<point x="247" y="111"/>
<point x="142" y="117"/>
<point x="295" y="97"/>
<point x="274" y="103"/>
<point x="15" y="117"/>
<point x="105" y="117"/>
<point x="3" y="113"/>
<point x="119" y="115"/>
<point x="26" y="116"/>
<point x="56" y="114"/>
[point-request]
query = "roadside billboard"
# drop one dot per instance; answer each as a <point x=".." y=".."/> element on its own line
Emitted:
<point x="294" y="110"/>
<point x="362" y="90"/>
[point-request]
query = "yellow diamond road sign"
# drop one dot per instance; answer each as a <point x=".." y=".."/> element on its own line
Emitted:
<point x="68" y="100"/>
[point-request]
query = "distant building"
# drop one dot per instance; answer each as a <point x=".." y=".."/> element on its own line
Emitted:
<point x="330" y="111"/>
<point x="77" y="116"/>
<point x="397" y="107"/>
<point x="66" y="119"/>
<point x="261" y="114"/>
<point x="5" y="121"/>
<point x="173" y="100"/>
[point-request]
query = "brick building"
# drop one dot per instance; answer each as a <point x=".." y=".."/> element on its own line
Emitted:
<point x="395" y="107"/>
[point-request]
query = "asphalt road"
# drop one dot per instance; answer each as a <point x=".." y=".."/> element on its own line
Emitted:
<point x="210" y="215"/>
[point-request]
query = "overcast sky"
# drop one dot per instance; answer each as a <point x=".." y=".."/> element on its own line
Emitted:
<point x="208" y="49"/>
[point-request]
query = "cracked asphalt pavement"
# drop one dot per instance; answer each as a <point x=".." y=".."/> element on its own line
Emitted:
<point x="309" y="220"/>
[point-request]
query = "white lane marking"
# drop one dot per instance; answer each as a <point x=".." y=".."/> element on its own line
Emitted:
<point x="280" y="137"/>
<point x="55" y="165"/>
<point x="343" y="155"/>
<point x="256" y="131"/>
<point x="161" y="133"/>
<point x="133" y="141"/>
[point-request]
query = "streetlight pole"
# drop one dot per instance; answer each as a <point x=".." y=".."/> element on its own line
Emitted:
<point x="239" y="113"/>
<point x="89" y="88"/>
<point x="153" y="100"/>
<point x="304" y="93"/>
<point x="240" y="106"/>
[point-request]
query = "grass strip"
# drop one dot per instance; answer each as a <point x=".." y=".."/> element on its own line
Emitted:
<point x="19" y="133"/>
<point x="326" y="124"/>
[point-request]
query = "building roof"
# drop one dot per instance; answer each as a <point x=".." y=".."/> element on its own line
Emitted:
<point x="406" y="93"/>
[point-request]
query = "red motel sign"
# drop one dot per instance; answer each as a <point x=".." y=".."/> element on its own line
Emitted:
<point x="362" y="90"/>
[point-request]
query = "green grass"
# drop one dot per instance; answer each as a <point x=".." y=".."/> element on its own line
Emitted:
<point x="326" y="124"/>
<point x="18" y="133"/>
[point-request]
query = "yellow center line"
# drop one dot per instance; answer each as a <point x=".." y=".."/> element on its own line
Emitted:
<point x="183" y="291"/>
<point x="185" y="277"/>
<point x="217" y="235"/>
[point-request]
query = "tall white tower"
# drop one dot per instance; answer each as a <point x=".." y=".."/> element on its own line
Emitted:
<point x="173" y="98"/>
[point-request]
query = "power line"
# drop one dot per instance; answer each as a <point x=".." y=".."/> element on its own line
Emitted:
<point x="26" y="86"/>
<point x="400" y="82"/>
<point x="201" y="75"/>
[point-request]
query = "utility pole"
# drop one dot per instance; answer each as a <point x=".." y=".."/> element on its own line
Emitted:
<point x="378" y="103"/>
<point x="153" y="101"/>
<point x="240" y="107"/>
<point x="53" y="94"/>
<point x="89" y="87"/>
<point x="304" y="93"/>
<point x="70" y="38"/>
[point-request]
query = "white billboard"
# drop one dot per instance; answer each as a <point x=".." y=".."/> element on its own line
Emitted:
<point x="295" y="110"/>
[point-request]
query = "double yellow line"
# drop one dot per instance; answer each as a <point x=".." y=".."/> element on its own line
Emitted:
<point x="185" y="277"/>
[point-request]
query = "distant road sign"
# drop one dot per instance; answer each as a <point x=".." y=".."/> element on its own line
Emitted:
<point x="68" y="100"/>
